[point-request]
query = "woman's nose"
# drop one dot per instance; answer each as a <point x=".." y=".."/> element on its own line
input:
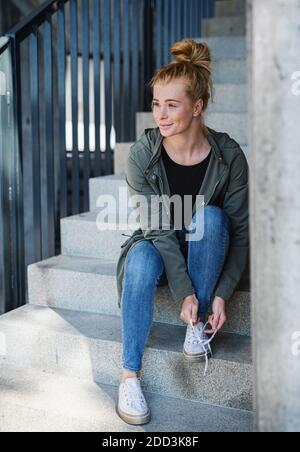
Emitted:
<point x="163" y="113"/>
<point x="162" y="109"/>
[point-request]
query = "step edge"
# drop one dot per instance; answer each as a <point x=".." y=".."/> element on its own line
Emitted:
<point x="8" y="321"/>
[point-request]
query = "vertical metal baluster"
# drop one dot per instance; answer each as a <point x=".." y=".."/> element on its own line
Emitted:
<point x="197" y="16"/>
<point x="108" y="86"/>
<point x="49" y="129"/>
<point x="61" y="68"/>
<point x="166" y="31"/>
<point x="86" y="100"/>
<point x="211" y="8"/>
<point x="159" y="33"/>
<point x="180" y="19"/>
<point x="35" y="143"/>
<point x="96" y="56"/>
<point x="142" y="21"/>
<point x="135" y="63"/>
<point x="147" y="53"/>
<point x="173" y="23"/>
<point x="74" y="75"/>
<point x="16" y="184"/>
<point x="202" y="11"/>
<point x="6" y="291"/>
<point x="4" y="238"/>
<point x="205" y="8"/>
<point x="127" y="72"/>
<point x="191" y="19"/>
<point x="117" y="71"/>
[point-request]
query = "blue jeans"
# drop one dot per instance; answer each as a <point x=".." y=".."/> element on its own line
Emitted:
<point x="144" y="271"/>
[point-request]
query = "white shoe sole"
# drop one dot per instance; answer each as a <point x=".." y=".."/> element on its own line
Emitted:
<point x="195" y="357"/>
<point x="131" y="419"/>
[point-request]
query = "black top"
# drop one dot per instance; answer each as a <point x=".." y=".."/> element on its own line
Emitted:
<point x="184" y="180"/>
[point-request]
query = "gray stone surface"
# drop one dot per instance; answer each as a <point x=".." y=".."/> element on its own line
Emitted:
<point x="89" y="346"/>
<point x="106" y="185"/>
<point x="229" y="98"/>
<point x="224" y="26"/>
<point x="81" y="236"/>
<point x="235" y="124"/>
<point x="275" y="219"/>
<point x="230" y="71"/>
<point x="223" y="47"/>
<point x="230" y="8"/>
<point x="54" y="403"/>
<point x="86" y="235"/>
<point x="89" y="285"/>
<point x="121" y="150"/>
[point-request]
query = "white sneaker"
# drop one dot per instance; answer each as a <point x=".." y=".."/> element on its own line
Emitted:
<point x="132" y="406"/>
<point x="197" y="344"/>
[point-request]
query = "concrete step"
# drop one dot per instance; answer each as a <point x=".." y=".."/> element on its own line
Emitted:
<point x="110" y="185"/>
<point x="32" y="401"/>
<point x="230" y="71"/>
<point x="88" y="235"/>
<point x="89" y="285"/>
<point x="223" y="47"/>
<point x="81" y="236"/>
<point x="225" y="8"/>
<point x="121" y="149"/>
<point x="229" y="98"/>
<point x="224" y="26"/>
<point x="89" y="346"/>
<point x="235" y="124"/>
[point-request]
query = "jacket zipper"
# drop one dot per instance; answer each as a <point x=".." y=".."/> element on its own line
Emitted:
<point x="214" y="190"/>
<point x="168" y="211"/>
<point x="161" y="190"/>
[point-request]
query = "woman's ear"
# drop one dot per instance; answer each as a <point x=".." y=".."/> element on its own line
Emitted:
<point x="198" y="108"/>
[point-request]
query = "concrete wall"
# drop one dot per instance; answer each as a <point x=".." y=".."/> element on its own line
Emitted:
<point x="274" y="40"/>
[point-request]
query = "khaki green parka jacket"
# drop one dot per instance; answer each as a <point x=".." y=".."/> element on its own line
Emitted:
<point x="225" y="185"/>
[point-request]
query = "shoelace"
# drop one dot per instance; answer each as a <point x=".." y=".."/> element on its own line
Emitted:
<point x="135" y="396"/>
<point x="203" y="342"/>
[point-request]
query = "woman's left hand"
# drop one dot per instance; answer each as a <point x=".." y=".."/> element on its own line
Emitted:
<point x="218" y="318"/>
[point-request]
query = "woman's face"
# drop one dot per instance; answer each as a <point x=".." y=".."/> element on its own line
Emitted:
<point x="172" y="108"/>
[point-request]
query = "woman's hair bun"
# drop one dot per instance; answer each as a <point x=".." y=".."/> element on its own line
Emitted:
<point x="190" y="51"/>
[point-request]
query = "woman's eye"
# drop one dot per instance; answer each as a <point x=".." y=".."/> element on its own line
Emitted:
<point x="171" y="106"/>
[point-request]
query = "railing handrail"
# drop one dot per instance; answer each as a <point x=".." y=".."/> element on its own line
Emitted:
<point x="4" y="42"/>
<point x="23" y="28"/>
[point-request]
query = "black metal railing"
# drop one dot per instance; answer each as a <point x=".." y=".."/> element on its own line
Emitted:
<point x="79" y="75"/>
<point x="12" y="284"/>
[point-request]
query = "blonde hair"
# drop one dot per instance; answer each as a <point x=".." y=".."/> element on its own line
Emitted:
<point x="193" y="63"/>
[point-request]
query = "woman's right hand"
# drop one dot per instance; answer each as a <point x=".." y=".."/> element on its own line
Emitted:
<point x="189" y="311"/>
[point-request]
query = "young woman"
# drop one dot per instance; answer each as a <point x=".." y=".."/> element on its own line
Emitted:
<point x="181" y="157"/>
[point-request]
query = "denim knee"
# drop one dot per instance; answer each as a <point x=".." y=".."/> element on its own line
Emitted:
<point x="144" y="264"/>
<point x="211" y="217"/>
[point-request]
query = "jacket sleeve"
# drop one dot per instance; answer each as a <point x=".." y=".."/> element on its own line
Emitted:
<point x="236" y="205"/>
<point x="165" y="240"/>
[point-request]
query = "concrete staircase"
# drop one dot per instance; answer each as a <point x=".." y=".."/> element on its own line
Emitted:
<point x="60" y="355"/>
